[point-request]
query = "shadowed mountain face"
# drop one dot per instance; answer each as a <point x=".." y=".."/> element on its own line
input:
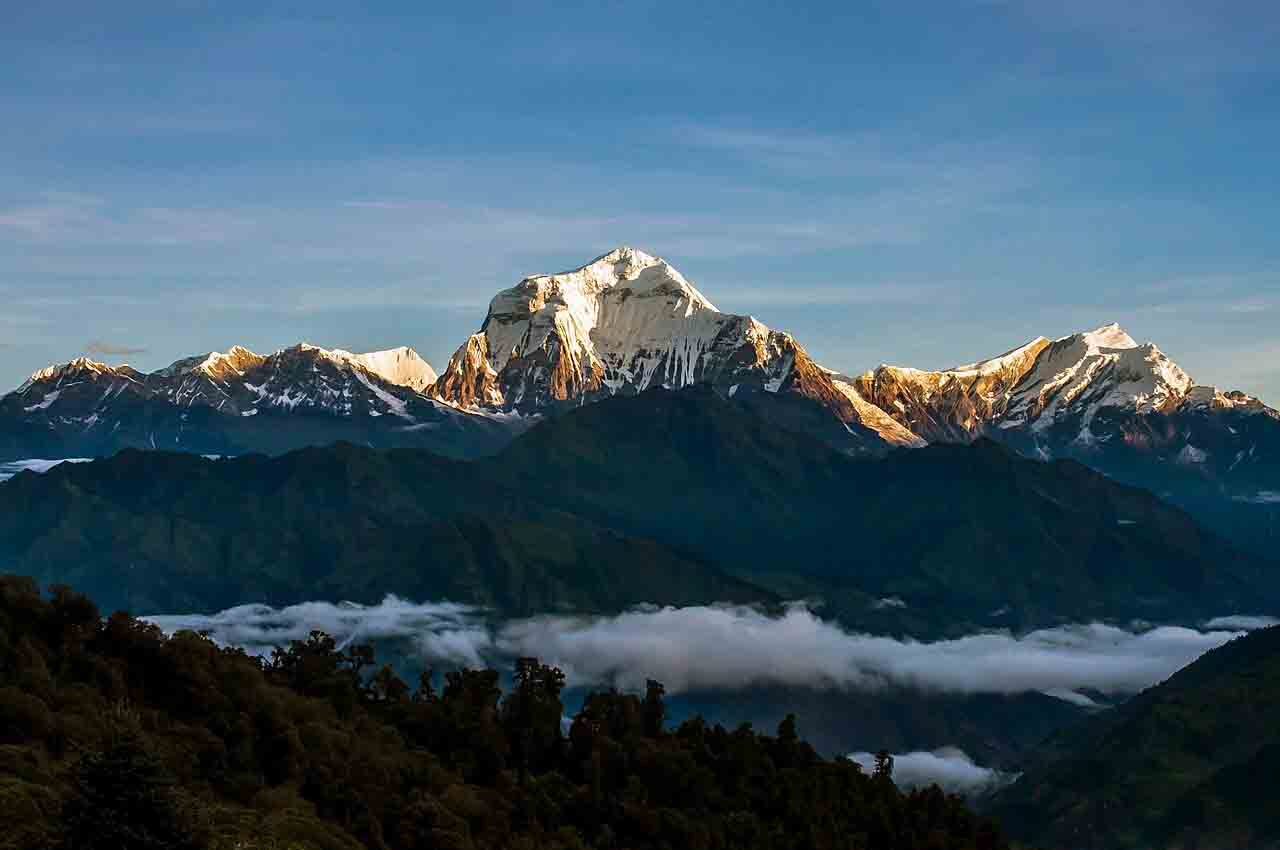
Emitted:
<point x="1193" y="762"/>
<point x="658" y="497"/>
<point x="239" y="402"/>
<point x="157" y="531"/>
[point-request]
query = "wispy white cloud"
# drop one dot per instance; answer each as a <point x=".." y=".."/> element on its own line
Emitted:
<point x="75" y="220"/>
<point x="835" y="293"/>
<point x="1178" y="43"/>
<point x="933" y="170"/>
<point x="101" y="348"/>
<point x="949" y="768"/>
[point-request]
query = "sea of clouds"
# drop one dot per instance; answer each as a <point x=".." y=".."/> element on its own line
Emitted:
<point x="724" y="647"/>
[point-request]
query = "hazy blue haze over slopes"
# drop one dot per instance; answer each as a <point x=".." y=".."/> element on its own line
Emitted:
<point x="922" y="183"/>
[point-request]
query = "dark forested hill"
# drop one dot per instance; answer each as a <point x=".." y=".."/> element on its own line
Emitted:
<point x="1191" y="763"/>
<point x="954" y="531"/>
<point x="660" y="497"/>
<point x="152" y="531"/>
<point x="114" y="736"/>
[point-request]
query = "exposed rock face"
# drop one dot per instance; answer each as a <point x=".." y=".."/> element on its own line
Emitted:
<point x="951" y="405"/>
<point x="623" y="323"/>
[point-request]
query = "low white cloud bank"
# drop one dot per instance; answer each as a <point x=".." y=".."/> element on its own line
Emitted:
<point x="1242" y="622"/>
<point x="949" y="768"/>
<point x="735" y="647"/>
<point x="725" y="648"/>
<point x="442" y="631"/>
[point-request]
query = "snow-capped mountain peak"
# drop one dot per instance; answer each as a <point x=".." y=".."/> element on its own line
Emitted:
<point x="240" y="382"/>
<point x="400" y="366"/>
<point x="236" y="361"/>
<point x="79" y="364"/>
<point x="622" y="323"/>
<point x="1084" y="373"/>
<point x="1107" y="336"/>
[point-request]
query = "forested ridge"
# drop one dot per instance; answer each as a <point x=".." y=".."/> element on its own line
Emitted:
<point x="113" y="735"/>
<point x="1190" y="764"/>
<point x="671" y="498"/>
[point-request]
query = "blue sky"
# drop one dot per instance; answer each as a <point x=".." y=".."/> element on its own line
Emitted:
<point x="915" y="183"/>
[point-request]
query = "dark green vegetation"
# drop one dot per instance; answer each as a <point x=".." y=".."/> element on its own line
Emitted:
<point x="665" y="497"/>
<point x="996" y="730"/>
<point x="1191" y="763"/>
<point x="113" y="737"/>
<point x="153" y="532"/>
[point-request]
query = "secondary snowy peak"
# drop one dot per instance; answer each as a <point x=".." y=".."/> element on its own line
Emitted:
<point x="1092" y="394"/>
<point x="400" y="366"/>
<point x="1207" y="398"/>
<point x="1084" y="373"/>
<point x="216" y="365"/>
<point x="79" y="369"/>
<point x="622" y="323"/>
<point x="239" y="382"/>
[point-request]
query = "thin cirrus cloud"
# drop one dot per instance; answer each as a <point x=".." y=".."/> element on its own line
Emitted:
<point x="68" y="220"/>
<point x="102" y="348"/>
<point x="729" y="648"/>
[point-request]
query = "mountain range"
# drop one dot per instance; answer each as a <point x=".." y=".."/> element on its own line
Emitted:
<point x="629" y="321"/>
<point x="725" y="507"/>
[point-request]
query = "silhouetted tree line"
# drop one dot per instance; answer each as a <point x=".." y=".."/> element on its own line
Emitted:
<point x="114" y="737"/>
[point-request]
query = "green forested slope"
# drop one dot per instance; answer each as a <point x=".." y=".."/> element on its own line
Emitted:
<point x="113" y="737"/>
<point x="1191" y="763"/>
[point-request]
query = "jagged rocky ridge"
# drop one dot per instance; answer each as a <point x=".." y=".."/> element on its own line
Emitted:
<point x="1102" y="398"/>
<point x="238" y="401"/>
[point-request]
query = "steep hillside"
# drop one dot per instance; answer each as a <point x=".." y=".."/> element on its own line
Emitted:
<point x="154" y="532"/>
<point x="1191" y="763"/>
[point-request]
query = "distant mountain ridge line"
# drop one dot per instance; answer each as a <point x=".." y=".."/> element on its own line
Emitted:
<point x="554" y="310"/>
<point x="628" y="321"/>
